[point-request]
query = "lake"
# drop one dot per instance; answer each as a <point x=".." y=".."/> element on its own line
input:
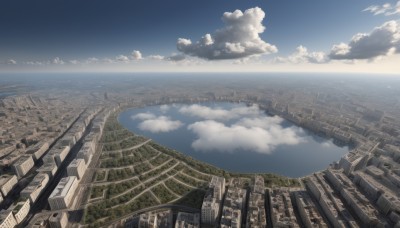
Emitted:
<point x="234" y="137"/>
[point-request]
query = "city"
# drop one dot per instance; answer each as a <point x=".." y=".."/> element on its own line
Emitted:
<point x="69" y="162"/>
<point x="199" y="114"/>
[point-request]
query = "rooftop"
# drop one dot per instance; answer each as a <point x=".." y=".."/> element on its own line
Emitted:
<point x="63" y="187"/>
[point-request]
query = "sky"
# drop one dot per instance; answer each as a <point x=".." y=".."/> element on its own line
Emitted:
<point x="200" y="36"/>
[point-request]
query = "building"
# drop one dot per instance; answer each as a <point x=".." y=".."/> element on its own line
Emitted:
<point x="234" y="204"/>
<point x="330" y="203"/>
<point x="187" y="220"/>
<point x="37" y="185"/>
<point x="148" y="220"/>
<point x="20" y="210"/>
<point x="60" y="154"/>
<point x="308" y="211"/>
<point x="63" y="194"/>
<point x="256" y="216"/>
<point x="165" y="219"/>
<point x="7" y="219"/>
<point x="218" y="186"/>
<point x="281" y="207"/>
<point x="85" y="155"/>
<point x="49" y="167"/>
<point x="361" y="206"/>
<point x="23" y="165"/>
<point x="7" y="183"/>
<point x="212" y="200"/>
<point x="77" y="168"/>
<point x="209" y="211"/>
<point x="58" y="220"/>
<point x="88" y="146"/>
<point x="68" y="140"/>
<point x="38" y="150"/>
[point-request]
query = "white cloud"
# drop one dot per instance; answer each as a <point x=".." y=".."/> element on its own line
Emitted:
<point x="73" y="62"/>
<point x="34" y="63"/>
<point x="136" y="55"/>
<point x="387" y="9"/>
<point x="164" y="108"/>
<point x="11" y="62"/>
<point x="156" y="124"/>
<point x="122" y="58"/>
<point x="92" y="60"/>
<point x="327" y="144"/>
<point x="57" y="61"/>
<point x="107" y="60"/>
<point x="382" y="41"/>
<point x="302" y="55"/>
<point x="261" y="135"/>
<point x="175" y="57"/>
<point x="143" y="116"/>
<point x="263" y="122"/>
<point x="239" y="38"/>
<point x="218" y="113"/>
<point x="156" y="57"/>
<point x="160" y="124"/>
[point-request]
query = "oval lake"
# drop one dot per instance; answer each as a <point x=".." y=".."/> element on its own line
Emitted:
<point x="226" y="135"/>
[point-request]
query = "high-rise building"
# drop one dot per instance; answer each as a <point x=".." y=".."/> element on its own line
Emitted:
<point x="63" y="194"/>
<point x="77" y="168"/>
<point x="212" y="200"/>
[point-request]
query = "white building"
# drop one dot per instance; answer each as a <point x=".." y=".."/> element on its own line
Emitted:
<point x="60" y="154"/>
<point x="49" y="167"/>
<point x="38" y="150"/>
<point x="77" y="168"/>
<point x="212" y="199"/>
<point x="68" y="140"/>
<point x="85" y="155"/>
<point x="7" y="183"/>
<point x="7" y="219"/>
<point x="88" y="146"/>
<point x="20" y="210"/>
<point x="37" y="185"/>
<point x="23" y="165"/>
<point x="209" y="211"/>
<point x="63" y="194"/>
<point x="218" y="186"/>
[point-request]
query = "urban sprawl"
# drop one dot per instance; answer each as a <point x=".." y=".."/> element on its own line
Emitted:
<point x="67" y="162"/>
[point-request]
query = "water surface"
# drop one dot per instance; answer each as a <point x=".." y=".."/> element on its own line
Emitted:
<point x="314" y="153"/>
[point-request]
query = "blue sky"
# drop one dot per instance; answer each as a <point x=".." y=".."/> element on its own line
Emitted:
<point x="49" y="32"/>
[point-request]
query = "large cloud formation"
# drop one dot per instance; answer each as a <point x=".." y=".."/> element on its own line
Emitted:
<point x="157" y="124"/>
<point x="239" y="38"/>
<point x="261" y="135"/>
<point x="208" y="113"/>
<point x="383" y="40"/>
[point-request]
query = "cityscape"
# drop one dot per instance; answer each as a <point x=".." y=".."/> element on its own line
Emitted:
<point x="199" y="114"/>
<point x="69" y="162"/>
